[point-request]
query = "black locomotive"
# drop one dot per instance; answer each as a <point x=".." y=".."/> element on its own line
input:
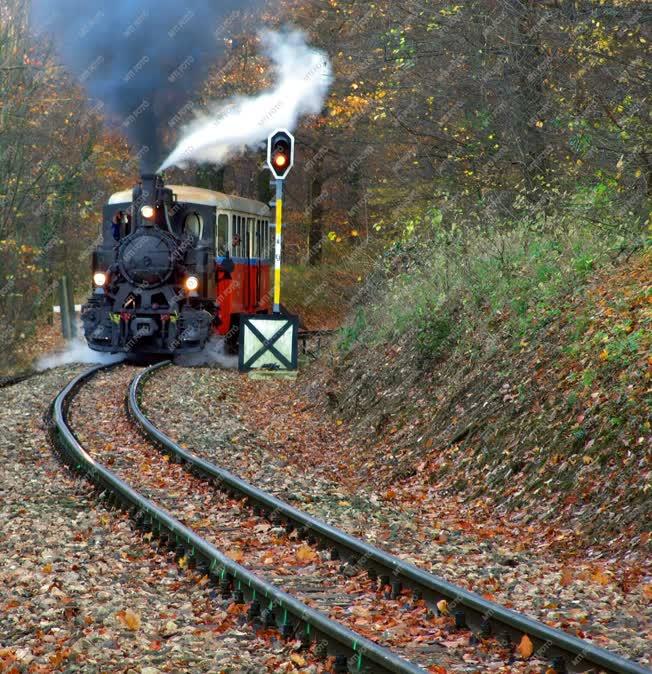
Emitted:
<point x="154" y="274"/>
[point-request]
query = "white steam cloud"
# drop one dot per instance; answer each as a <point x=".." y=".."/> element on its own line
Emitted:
<point x="303" y="76"/>
<point x="212" y="355"/>
<point x="77" y="351"/>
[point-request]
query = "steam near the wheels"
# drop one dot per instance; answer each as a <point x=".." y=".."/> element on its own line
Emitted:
<point x="302" y="78"/>
<point x="144" y="59"/>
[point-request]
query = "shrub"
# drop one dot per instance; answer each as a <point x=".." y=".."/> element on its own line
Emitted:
<point x="444" y="288"/>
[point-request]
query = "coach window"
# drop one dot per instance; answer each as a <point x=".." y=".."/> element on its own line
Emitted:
<point x="193" y="224"/>
<point x="243" y="236"/>
<point x="270" y="240"/>
<point x="222" y="234"/>
<point x="235" y="242"/>
<point x="263" y="239"/>
<point x="258" y="243"/>
<point x="250" y="252"/>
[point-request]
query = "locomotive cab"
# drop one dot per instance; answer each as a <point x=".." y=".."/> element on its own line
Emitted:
<point x="175" y="264"/>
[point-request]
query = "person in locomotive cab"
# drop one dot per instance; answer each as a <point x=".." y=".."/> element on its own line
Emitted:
<point x="119" y="219"/>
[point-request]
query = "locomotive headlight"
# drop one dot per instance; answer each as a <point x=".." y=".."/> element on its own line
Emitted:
<point x="192" y="283"/>
<point x="147" y="212"/>
<point x="99" y="278"/>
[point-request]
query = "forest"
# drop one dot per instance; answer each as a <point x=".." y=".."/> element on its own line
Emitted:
<point x="468" y="138"/>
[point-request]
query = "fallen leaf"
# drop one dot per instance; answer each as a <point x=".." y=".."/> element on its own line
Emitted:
<point x="566" y="577"/>
<point x="297" y="659"/>
<point x="235" y="554"/>
<point x="58" y="658"/>
<point x="361" y="612"/>
<point x="131" y="620"/>
<point x="525" y="647"/>
<point x="47" y="568"/>
<point x="305" y="553"/>
<point x="599" y="576"/>
<point x="442" y="606"/>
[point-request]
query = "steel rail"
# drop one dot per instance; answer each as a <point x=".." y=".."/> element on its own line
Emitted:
<point x="11" y="380"/>
<point x="150" y="516"/>
<point x="481" y="614"/>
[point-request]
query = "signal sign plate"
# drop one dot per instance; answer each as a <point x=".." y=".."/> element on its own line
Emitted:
<point x="268" y="342"/>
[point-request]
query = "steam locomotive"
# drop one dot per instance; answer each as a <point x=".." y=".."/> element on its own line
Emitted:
<point x="175" y="265"/>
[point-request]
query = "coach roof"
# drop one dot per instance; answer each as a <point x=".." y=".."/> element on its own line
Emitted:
<point x="204" y="197"/>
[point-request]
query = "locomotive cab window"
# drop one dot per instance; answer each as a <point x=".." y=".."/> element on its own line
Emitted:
<point x="222" y="234"/>
<point x="193" y="224"/>
<point x="121" y="224"/>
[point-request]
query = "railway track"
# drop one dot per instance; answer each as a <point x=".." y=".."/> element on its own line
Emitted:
<point x="214" y="520"/>
<point x="16" y="378"/>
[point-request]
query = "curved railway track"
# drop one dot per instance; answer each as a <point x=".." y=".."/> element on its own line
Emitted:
<point x="278" y="598"/>
<point x="17" y="378"/>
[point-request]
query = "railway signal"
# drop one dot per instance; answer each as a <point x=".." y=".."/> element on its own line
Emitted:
<point x="269" y="342"/>
<point x="280" y="159"/>
<point x="280" y="153"/>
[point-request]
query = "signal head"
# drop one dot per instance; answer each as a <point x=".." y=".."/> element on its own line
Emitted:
<point x="280" y="153"/>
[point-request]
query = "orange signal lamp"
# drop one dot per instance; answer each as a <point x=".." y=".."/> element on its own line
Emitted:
<point x="280" y="160"/>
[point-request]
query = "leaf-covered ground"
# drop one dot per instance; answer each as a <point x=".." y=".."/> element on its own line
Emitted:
<point x="81" y="591"/>
<point x="389" y="616"/>
<point x="524" y="476"/>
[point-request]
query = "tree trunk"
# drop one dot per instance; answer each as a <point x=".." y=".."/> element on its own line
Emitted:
<point x="316" y="217"/>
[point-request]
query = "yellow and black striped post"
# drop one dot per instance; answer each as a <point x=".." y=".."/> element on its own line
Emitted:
<point x="277" y="246"/>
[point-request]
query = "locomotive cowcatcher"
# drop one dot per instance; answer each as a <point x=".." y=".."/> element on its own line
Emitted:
<point x="175" y="265"/>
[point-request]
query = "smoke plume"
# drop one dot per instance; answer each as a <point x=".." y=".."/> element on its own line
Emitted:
<point x="302" y="78"/>
<point x="143" y="59"/>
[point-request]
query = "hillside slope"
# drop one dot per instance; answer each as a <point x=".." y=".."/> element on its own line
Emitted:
<point x="548" y="437"/>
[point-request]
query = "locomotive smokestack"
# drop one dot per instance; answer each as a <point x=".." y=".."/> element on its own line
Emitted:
<point x="150" y="182"/>
<point x="150" y="199"/>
